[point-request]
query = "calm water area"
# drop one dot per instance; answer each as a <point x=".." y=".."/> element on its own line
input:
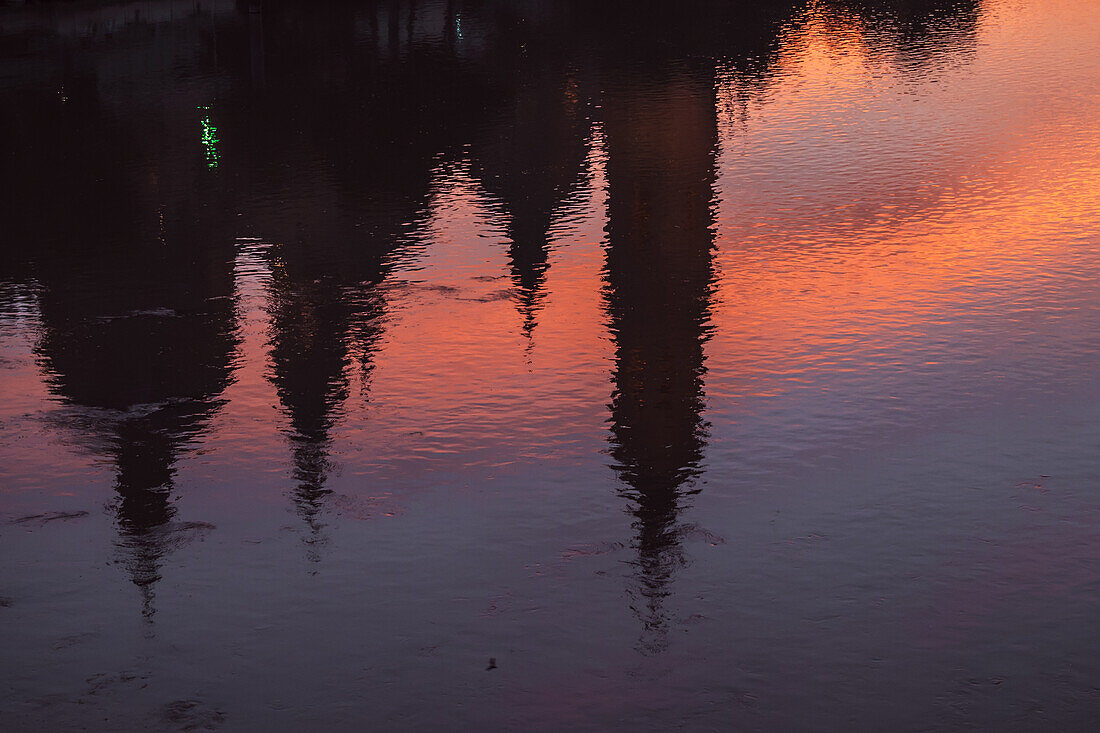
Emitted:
<point x="498" y="365"/>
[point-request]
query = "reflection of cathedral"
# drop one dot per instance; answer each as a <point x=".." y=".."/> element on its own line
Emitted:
<point x="128" y="229"/>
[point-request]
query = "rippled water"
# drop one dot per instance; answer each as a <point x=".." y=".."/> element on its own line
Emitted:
<point x="550" y="366"/>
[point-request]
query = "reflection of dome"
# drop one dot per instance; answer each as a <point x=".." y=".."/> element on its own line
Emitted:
<point x="154" y="358"/>
<point x="137" y="324"/>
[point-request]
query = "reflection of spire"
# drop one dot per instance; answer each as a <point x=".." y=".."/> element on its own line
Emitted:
<point x="531" y="161"/>
<point x="661" y="141"/>
<point x="146" y="449"/>
<point x="378" y="136"/>
<point x="326" y="310"/>
<point x="158" y="375"/>
<point x="145" y="469"/>
<point x="529" y="263"/>
<point x="309" y="356"/>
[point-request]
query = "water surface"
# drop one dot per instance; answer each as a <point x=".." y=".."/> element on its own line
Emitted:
<point x="550" y="366"/>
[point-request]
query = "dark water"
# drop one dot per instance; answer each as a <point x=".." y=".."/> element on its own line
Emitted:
<point x="524" y="365"/>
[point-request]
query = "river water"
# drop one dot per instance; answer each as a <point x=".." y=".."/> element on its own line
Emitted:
<point x="543" y="366"/>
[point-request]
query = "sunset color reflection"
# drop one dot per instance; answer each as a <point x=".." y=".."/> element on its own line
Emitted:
<point x="503" y="365"/>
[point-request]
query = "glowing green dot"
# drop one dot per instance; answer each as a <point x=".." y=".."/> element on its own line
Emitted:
<point x="210" y="142"/>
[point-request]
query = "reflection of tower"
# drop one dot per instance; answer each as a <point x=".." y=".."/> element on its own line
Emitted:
<point x="122" y="233"/>
<point x="531" y="160"/>
<point x="661" y="138"/>
<point x="326" y="309"/>
<point x="144" y="333"/>
<point x="382" y="112"/>
<point x="309" y="354"/>
<point x="145" y="451"/>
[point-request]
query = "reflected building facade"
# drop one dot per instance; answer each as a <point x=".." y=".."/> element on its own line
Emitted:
<point x="331" y="157"/>
<point x="660" y="117"/>
<point x="920" y="34"/>
<point x="406" y="90"/>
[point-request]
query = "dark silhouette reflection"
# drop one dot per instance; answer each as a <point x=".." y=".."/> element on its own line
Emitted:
<point x="309" y="368"/>
<point x="660" y="121"/>
<point x="151" y="360"/>
<point x="123" y="236"/>
<point x="919" y="34"/>
<point x="335" y="183"/>
<point x="137" y="321"/>
<point x="661" y="139"/>
<point x="530" y="156"/>
<point x="325" y="318"/>
<point x="659" y="110"/>
<point x="532" y="161"/>
<point x="144" y="149"/>
<point x="336" y="179"/>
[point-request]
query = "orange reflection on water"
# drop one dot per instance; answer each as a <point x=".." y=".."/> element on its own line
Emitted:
<point x="456" y="304"/>
<point x="842" y="255"/>
<point x="551" y="313"/>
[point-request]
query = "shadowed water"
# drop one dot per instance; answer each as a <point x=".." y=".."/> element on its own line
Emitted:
<point x="520" y="365"/>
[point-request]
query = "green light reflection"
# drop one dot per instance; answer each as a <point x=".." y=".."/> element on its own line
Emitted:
<point x="210" y="140"/>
